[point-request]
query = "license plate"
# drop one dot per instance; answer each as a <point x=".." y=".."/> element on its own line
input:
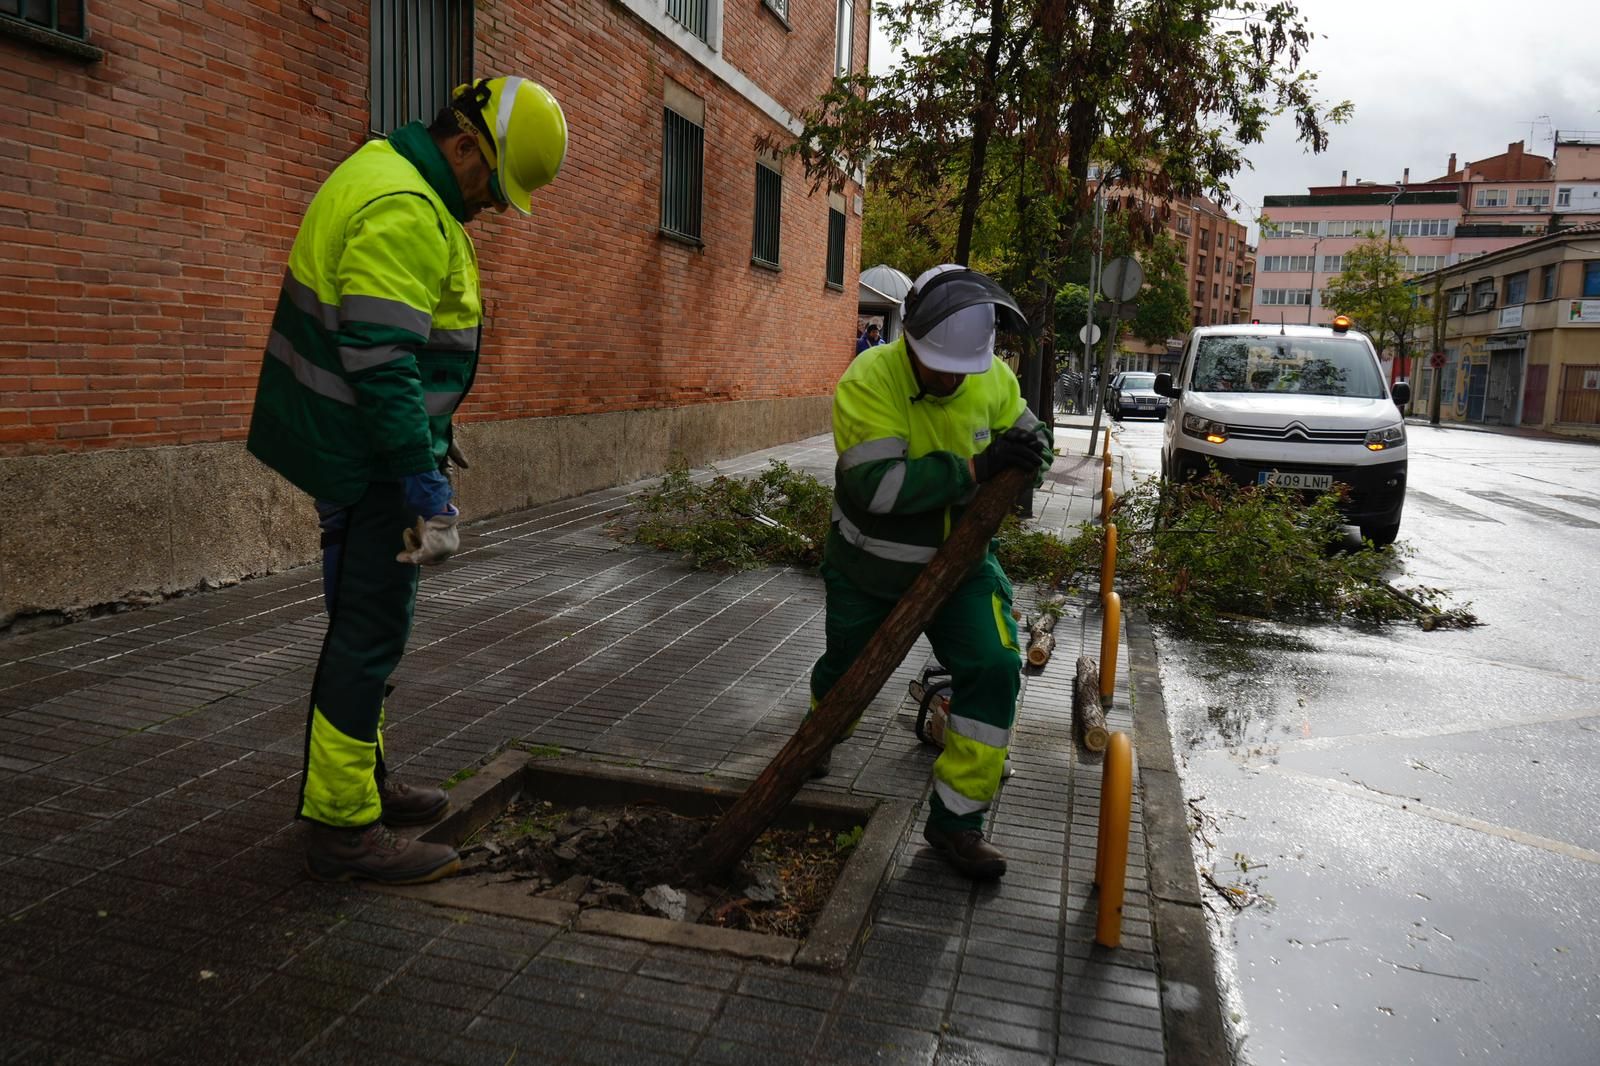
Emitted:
<point x="1292" y="479"/>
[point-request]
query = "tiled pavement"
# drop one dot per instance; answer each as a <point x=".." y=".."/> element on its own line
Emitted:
<point x="150" y="873"/>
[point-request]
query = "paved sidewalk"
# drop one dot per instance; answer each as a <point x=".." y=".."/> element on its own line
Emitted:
<point x="155" y="907"/>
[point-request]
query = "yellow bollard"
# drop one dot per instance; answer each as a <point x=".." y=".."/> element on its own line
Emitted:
<point x="1111" y="858"/>
<point x="1105" y="477"/>
<point x="1108" y="500"/>
<point x="1108" y="444"/>
<point x="1108" y="561"/>
<point x="1110" y="631"/>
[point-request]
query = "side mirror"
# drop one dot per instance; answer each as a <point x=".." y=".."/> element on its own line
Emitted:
<point x="1401" y="392"/>
<point x="1163" y="386"/>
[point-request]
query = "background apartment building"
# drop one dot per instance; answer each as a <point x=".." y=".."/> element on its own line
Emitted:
<point x="1467" y="212"/>
<point x="1218" y="270"/>
<point x="159" y="157"/>
<point x="1521" y="335"/>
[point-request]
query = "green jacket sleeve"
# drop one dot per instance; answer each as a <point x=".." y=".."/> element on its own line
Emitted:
<point x="391" y="272"/>
<point x="875" y="470"/>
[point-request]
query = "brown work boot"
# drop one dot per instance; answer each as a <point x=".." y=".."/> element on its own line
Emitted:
<point x="335" y="853"/>
<point x="405" y="804"/>
<point x="968" y="852"/>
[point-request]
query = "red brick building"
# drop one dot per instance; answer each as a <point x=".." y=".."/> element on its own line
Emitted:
<point x="158" y="155"/>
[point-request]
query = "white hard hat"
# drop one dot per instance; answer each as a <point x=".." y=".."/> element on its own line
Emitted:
<point x="950" y="318"/>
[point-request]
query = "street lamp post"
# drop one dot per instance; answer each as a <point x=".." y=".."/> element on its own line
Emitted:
<point x="1311" y="297"/>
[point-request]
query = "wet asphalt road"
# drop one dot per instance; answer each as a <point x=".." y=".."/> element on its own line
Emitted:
<point x="1416" y="814"/>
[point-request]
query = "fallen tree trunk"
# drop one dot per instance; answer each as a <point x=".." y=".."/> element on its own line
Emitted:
<point x="755" y="809"/>
<point x="1040" y="644"/>
<point x="1091" y="717"/>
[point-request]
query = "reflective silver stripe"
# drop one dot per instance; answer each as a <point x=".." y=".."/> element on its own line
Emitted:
<point x="303" y="297"/>
<point x="888" y="490"/>
<point x="440" y="403"/>
<point x="463" y="339"/>
<point x="1027" y="421"/>
<point x="982" y="732"/>
<point x="354" y="359"/>
<point x="873" y="450"/>
<point x="883" y="549"/>
<point x="955" y="802"/>
<point x="382" y="312"/>
<point x="320" y="381"/>
<point x="502" y="118"/>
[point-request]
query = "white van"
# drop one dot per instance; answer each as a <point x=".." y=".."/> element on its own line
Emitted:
<point x="1299" y="406"/>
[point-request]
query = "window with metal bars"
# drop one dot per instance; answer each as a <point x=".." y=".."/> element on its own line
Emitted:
<point x="421" y="50"/>
<point x="835" y="248"/>
<point x="58" y="16"/>
<point x="693" y="15"/>
<point x="769" y="215"/>
<point x="683" y="146"/>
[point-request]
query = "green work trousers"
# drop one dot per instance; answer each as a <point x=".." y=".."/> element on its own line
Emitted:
<point x="371" y="597"/>
<point x="975" y="638"/>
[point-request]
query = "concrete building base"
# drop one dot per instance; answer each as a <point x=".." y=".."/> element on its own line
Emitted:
<point x="89" y="531"/>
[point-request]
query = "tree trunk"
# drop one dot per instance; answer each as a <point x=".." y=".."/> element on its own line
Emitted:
<point x="727" y="841"/>
<point x="983" y="115"/>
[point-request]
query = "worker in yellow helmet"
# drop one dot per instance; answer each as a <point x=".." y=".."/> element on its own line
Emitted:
<point x="374" y="344"/>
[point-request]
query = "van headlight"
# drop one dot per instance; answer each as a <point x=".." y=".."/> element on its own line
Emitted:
<point x="1212" y="432"/>
<point x="1387" y="437"/>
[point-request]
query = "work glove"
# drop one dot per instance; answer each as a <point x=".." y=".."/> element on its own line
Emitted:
<point x="1014" y="448"/>
<point x="432" y="540"/>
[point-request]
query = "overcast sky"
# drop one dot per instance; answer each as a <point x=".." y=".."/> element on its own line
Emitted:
<point x="1427" y="78"/>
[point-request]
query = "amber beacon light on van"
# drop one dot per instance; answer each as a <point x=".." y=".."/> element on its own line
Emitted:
<point x="1341" y="323"/>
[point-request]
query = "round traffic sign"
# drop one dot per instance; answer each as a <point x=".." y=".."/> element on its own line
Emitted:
<point x="1089" y="334"/>
<point x="1436" y="360"/>
<point x="1122" y="278"/>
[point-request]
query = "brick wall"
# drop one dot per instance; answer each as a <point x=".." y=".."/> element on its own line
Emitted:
<point x="147" y="203"/>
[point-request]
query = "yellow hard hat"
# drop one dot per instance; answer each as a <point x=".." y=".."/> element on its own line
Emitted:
<point x="522" y="131"/>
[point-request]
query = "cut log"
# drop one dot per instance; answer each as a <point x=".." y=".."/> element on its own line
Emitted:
<point x="1040" y="644"/>
<point x="727" y="841"/>
<point x="1092" y="732"/>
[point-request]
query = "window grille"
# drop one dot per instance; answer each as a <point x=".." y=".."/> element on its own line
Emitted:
<point x="420" y="52"/>
<point x="693" y="15"/>
<point x="835" y="247"/>
<point x="769" y="216"/>
<point x="60" y="16"/>
<point x="682" y="175"/>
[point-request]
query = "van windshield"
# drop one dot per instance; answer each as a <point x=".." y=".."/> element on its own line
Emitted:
<point x="1319" y="366"/>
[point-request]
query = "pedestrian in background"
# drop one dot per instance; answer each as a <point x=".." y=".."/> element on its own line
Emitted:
<point x="869" y="338"/>
<point x="918" y="424"/>
<point x="373" y="347"/>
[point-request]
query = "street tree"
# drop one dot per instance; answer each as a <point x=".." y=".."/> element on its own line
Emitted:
<point x="1372" y="290"/>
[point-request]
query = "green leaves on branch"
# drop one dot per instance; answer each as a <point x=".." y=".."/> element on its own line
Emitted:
<point x="779" y="518"/>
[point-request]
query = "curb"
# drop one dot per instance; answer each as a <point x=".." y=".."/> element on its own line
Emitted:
<point x="1191" y="996"/>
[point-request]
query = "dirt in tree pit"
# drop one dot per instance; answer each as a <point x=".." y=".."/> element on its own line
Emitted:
<point x="627" y="859"/>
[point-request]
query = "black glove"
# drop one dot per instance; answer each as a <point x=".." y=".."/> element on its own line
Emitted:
<point x="1013" y="448"/>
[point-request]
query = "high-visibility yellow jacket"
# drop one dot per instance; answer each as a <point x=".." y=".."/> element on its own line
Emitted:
<point x="375" y="339"/>
<point x="902" y="478"/>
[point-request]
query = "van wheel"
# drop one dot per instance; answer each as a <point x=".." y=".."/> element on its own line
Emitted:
<point x="1381" y="536"/>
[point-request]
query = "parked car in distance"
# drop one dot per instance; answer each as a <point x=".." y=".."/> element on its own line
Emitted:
<point x="1302" y="407"/>
<point x="1132" y="392"/>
